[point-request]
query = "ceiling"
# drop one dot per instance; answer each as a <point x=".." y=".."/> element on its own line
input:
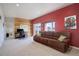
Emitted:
<point x="30" y="10"/>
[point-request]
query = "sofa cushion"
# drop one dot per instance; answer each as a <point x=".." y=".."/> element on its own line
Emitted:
<point x="61" y="38"/>
<point x="47" y="34"/>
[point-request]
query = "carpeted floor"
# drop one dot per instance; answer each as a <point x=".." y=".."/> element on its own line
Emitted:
<point x="28" y="47"/>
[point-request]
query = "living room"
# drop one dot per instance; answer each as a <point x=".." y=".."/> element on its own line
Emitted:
<point x="23" y="29"/>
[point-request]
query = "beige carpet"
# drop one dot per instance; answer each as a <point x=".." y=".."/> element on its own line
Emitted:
<point x="28" y="47"/>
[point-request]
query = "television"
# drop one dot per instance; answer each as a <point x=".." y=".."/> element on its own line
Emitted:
<point x="19" y="30"/>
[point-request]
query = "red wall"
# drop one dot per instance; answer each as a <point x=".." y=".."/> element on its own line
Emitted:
<point x="58" y="16"/>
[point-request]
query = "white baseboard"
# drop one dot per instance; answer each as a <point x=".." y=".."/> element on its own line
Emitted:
<point x="75" y="47"/>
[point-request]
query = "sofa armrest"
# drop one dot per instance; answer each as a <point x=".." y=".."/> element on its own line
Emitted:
<point x="35" y="37"/>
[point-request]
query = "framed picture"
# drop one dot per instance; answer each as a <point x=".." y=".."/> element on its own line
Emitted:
<point x="70" y="22"/>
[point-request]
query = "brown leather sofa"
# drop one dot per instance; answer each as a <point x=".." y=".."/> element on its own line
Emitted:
<point x="51" y="39"/>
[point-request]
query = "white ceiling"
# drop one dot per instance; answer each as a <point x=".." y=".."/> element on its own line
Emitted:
<point x="30" y="10"/>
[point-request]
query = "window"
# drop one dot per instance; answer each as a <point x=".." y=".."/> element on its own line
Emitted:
<point x="25" y="27"/>
<point x="50" y="26"/>
<point x="37" y="28"/>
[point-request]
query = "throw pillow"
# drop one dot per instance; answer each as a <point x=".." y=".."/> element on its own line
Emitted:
<point x="61" y="38"/>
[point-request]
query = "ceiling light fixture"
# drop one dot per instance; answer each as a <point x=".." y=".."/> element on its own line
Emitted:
<point x="17" y="5"/>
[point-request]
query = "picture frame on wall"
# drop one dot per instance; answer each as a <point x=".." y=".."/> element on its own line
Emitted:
<point x="70" y="22"/>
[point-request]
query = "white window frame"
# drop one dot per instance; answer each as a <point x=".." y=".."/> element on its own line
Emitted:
<point x="25" y="27"/>
<point x="34" y="28"/>
<point x="48" y="24"/>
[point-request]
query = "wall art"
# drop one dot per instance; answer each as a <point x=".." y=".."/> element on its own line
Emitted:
<point x="70" y="22"/>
